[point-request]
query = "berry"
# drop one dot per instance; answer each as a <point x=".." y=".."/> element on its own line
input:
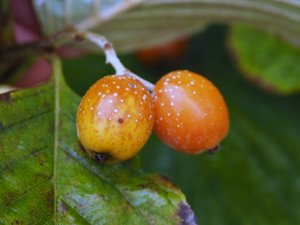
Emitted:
<point x="164" y="55"/>
<point x="115" y="118"/>
<point x="190" y="113"/>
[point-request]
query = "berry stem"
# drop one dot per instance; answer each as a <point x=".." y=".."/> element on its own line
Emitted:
<point x="112" y="58"/>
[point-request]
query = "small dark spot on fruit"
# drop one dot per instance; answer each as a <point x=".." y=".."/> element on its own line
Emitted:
<point x="213" y="150"/>
<point x="120" y="120"/>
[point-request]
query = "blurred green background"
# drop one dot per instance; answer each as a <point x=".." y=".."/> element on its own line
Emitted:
<point x="255" y="178"/>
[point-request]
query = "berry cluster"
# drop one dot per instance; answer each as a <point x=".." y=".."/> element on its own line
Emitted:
<point x="117" y="114"/>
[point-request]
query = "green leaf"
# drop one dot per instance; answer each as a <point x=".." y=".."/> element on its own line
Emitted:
<point x="135" y="24"/>
<point x="46" y="178"/>
<point x="267" y="60"/>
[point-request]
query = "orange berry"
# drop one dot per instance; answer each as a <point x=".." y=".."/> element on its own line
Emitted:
<point x="190" y="113"/>
<point x="115" y="118"/>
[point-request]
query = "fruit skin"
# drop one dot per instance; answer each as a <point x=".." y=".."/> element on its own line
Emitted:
<point x="115" y="117"/>
<point x="190" y="113"/>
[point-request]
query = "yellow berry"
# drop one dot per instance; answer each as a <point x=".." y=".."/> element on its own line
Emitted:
<point x="115" y="118"/>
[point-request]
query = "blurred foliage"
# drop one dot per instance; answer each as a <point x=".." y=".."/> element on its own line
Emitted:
<point x="142" y="22"/>
<point x="268" y="60"/>
<point x="6" y="29"/>
<point x="254" y="179"/>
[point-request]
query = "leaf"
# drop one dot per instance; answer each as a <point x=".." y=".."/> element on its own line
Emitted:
<point x="266" y="59"/>
<point x="46" y="178"/>
<point x="145" y="23"/>
<point x="254" y="178"/>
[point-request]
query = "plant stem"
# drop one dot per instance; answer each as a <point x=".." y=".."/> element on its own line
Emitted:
<point x="112" y="58"/>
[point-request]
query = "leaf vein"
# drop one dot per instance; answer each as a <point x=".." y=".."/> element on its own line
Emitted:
<point x="111" y="184"/>
<point x="7" y="166"/>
